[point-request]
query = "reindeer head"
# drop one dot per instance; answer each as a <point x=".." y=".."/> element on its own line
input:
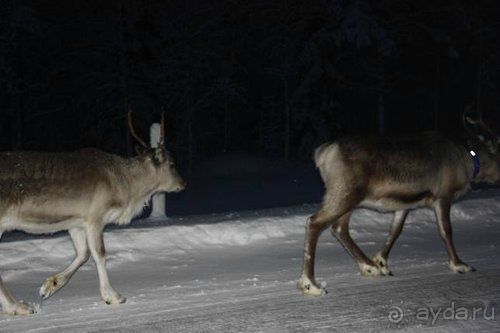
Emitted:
<point x="483" y="140"/>
<point x="158" y="160"/>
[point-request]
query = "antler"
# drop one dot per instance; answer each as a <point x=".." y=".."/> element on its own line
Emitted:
<point x="132" y="130"/>
<point x="476" y="122"/>
<point x="162" y="127"/>
<point x="466" y="120"/>
<point x="485" y="127"/>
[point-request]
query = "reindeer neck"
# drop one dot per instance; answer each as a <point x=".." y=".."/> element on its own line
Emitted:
<point x="143" y="180"/>
<point x="482" y="166"/>
<point x="476" y="164"/>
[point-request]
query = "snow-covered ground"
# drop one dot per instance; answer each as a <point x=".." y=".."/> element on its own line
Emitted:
<point x="237" y="273"/>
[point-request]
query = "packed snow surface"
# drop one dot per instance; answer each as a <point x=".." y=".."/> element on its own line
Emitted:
<point x="237" y="273"/>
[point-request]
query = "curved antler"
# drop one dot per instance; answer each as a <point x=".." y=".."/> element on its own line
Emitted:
<point x="485" y="127"/>
<point x="466" y="120"/>
<point x="162" y="127"/>
<point x="477" y="122"/>
<point x="132" y="130"/>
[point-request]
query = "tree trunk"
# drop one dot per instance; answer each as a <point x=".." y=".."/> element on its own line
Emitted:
<point x="479" y="70"/>
<point x="15" y="128"/>
<point x="381" y="96"/>
<point x="286" y="50"/>
<point x="437" y="88"/>
<point x="287" y="119"/>
<point x="159" y="200"/>
<point x="19" y="130"/>
<point x="190" y="92"/>
<point x="190" y="134"/>
<point x="124" y="74"/>
<point x="226" y="124"/>
<point x="261" y="126"/>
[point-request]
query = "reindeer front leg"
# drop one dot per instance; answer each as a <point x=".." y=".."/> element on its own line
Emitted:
<point x="95" y="242"/>
<point x="307" y="282"/>
<point x="442" y="210"/>
<point x="10" y="305"/>
<point x="340" y="230"/>
<point x="57" y="281"/>
<point x="380" y="258"/>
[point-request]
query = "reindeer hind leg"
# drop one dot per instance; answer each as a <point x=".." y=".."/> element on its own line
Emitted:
<point x="9" y="304"/>
<point x="307" y="282"/>
<point x="333" y="208"/>
<point x="442" y="210"/>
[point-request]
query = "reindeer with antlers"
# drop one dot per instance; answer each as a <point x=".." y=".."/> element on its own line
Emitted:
<point x="80" y="192"/>
<point x="396" y="175"/>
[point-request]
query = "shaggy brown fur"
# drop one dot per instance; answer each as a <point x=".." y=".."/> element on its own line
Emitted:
<point x="391" y="174"/>
<point x="80" y="192"/>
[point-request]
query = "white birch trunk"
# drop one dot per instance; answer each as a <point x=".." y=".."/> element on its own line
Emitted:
<point x="158" y="201"/>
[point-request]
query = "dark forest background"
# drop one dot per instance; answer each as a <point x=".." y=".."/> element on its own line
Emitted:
<point x="273" y="78"/>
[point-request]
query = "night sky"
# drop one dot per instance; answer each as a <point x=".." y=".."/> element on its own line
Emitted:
<point x="268" y="78"/>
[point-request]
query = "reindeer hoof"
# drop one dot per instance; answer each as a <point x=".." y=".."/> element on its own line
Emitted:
<point x="381" y="263"/>
<point x="309" y="288"/>
<point x="20" y="309"/>
<point x="50" y="286"/>
<point x="115" y="299"/>
<point x="460" y="267"/>
<point x="369" y="270"/>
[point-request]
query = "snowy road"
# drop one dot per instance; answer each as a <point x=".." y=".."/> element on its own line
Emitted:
<point x="237" y="273"/>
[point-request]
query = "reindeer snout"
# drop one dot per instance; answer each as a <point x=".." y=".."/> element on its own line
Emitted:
<point x="181" y="187"/>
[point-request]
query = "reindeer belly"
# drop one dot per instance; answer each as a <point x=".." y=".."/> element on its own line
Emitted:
<point x="45" y="226"/>
<point x="43" y="216"/>
<point x="392" y="198"/>
<point x="39" y="224"/>
<point x="391" y="205"/>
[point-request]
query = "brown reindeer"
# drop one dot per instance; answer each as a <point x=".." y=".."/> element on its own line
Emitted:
<point x="396" y="175"/>
<point x="80" y="192"/>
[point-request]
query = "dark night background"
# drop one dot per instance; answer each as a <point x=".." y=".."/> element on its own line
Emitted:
<point x="249" y="87"/>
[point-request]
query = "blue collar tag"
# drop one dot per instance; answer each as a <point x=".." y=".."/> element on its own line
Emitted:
<point x="477" y="163"/>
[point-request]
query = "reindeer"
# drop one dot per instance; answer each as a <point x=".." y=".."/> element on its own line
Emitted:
<point x="396" y="175"/>
<point x="80" y="192"/>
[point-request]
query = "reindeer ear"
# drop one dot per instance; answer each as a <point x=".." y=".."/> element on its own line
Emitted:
<point x="139" y="150"/>
<point x="492" y="149"/>
<point x="159" y="155"/>
<point x="492" y="146"/>
<point x="470" y="125"/>
<point x="469" y="120"/>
